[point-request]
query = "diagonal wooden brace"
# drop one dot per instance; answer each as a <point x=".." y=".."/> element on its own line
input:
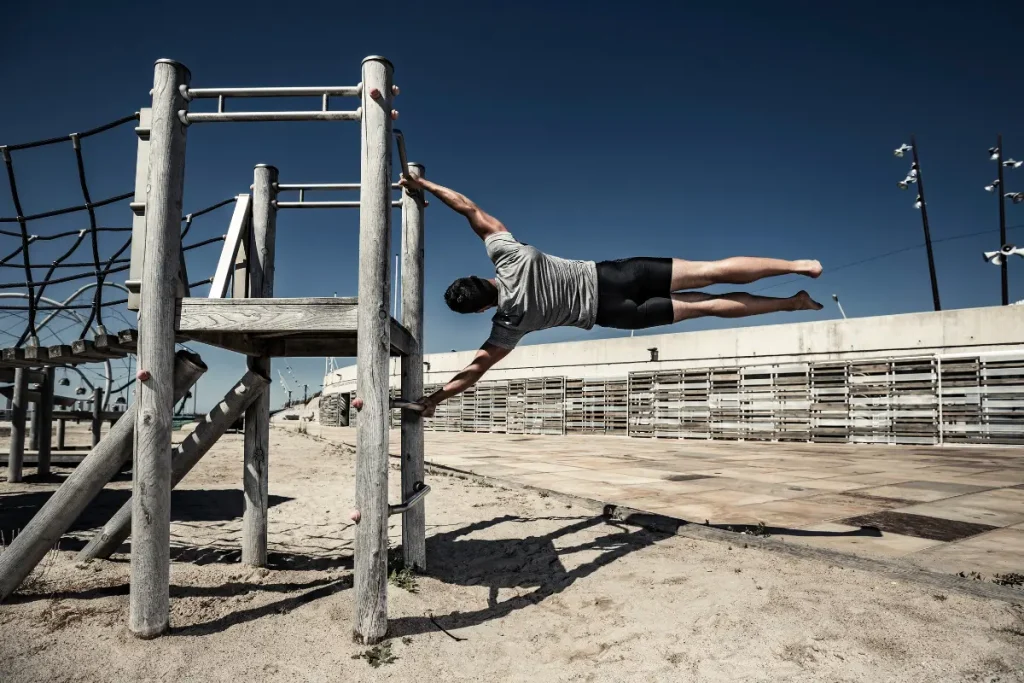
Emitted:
<point x="184" y="458"/>
<point x="81" y="487"/>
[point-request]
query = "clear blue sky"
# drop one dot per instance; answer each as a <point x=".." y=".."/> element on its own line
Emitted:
<point x="593" y="130"/>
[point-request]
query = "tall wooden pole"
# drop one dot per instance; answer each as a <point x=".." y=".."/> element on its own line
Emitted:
<point x="186" y="455"/>
<point x="1000" y="190"/>
<point x="33" y="425"/>
<point x="374" y="349"/>
<point x="60" y="433"/>
<point x="149" y="600"/>
<point x="19" y="406"/>
<point x="414" y="547"/>
<point x="256" y="455"/>
<point x="97" y="414"/>
<point x="924" y="222"/>
<point x="101" y="464"/>
<point x="45" y="406"/>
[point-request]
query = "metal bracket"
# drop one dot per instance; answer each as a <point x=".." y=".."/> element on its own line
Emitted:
<point x="420" y="491"/>
<point x="404" y="404"/>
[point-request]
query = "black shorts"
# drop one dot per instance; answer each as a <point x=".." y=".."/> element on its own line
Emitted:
<point x="634" y="293"/>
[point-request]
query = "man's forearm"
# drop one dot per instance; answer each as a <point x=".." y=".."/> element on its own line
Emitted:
<point x="457" y="201"/>
<point x="462" y="381"/>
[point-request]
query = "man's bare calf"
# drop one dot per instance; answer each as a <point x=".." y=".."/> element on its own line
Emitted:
<point x="687" y="305"/>
<point x="738" y="270"/>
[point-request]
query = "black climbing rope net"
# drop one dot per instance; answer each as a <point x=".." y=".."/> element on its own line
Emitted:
<point x="58" y="265"/>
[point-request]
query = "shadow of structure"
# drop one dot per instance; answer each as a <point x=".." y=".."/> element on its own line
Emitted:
<point x="529" y="562"/>
<point x="187" y="505"/>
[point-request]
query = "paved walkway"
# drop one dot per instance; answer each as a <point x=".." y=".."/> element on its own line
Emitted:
<point x="950" y="509"/>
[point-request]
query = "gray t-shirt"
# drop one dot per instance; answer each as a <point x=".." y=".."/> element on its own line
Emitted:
<point x="537" y="291"/>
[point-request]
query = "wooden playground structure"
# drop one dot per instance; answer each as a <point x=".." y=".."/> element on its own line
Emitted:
<point x="242" y="315"/>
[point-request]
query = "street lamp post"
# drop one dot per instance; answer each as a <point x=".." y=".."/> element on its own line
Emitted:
<point x="914" y="176"/>
<point x="997" y="187"/>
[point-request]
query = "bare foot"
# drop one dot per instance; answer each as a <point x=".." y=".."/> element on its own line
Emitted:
<point x="809" y="268"/>
<point x="804" y="302"/>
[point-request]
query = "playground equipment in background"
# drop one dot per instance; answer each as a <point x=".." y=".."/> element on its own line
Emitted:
<point x="254" y="323"/>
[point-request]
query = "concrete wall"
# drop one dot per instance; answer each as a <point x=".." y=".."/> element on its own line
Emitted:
<point x="969" y="330"/>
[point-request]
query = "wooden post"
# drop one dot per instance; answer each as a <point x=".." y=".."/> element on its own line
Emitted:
<point x="80" y="488"/>
<point x="97" y="415"/>
<point x="19" y="406"/>
<point x="374" y="342"/>
<point x="33" y="423"/>
<point x="149" y="600"/>
<point x="414" y="548"/>
<point x="256" y="448"/>
<point x="45" y="408"/>
<point x="60" y="433"/>
<point x="220" y="418"/>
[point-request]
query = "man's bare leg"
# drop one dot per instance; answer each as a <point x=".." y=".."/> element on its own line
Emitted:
<point x="738" y="270"/>
<point x="687" y="305"/>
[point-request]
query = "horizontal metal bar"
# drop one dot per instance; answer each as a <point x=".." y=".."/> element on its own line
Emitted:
<point x="301" y="91"/>
<point x="213" y="117"/>
<point x="325" y="205"/>
<point x="285" y="187"/>
<point x="403" y="404"/>
<point x="411" y="502"/>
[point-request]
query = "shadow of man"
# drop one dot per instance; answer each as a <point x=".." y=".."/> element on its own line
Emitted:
<point x="517" y="563"/>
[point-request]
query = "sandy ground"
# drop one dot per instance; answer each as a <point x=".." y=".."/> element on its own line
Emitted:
<point x="526" y="587"/>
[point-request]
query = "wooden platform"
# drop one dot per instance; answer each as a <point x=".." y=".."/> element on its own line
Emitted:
<point x="308" y="327"/>
<point x="65" y="458"/>
<point x="103" y="347"/>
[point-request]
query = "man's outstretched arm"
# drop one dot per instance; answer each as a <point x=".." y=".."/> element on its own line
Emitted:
<point x="483" y="223"/>
<point x="487" y="356"/>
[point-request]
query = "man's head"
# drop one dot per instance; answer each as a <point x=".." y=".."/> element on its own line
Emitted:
<point x="471" y="295"/>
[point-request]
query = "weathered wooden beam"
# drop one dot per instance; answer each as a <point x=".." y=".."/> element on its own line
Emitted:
<point x="101" y="464"/>
<point x="129" y="339"/>
<point x="149" y="599"/>
<point x="414" y="547"/>
<point x="19" y="408"/>
<point x="39" y="355"/>
<point x="45" y="434"/>
<point x="374" y="344"/>
<point x="311" y="347"/>
<point x="77" y="415"/>
<point x="138" y="251"/>
<point x="240" y="343"/>
<point x="111" y="343"/>
<point x="86" y="348"/>
<point x="236" y="235"/>
<point x="62" y="354"/>
<point x="402" y="342"/>
<point x="255" y="316"/>
<point x="256" y="444"/>
<point x="97" y="415"/>
<point x="186" y="455"/>
<point x="31" y="458"/>
<point x="61" y="424"/>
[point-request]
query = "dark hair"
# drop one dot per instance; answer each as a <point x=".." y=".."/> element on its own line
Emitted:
<point x="471" y="295"/>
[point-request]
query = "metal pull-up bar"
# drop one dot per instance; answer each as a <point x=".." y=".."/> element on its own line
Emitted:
<point x="302" y="204"/>
<point x="222" y="94"/>
<point x="302" y="188"/>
